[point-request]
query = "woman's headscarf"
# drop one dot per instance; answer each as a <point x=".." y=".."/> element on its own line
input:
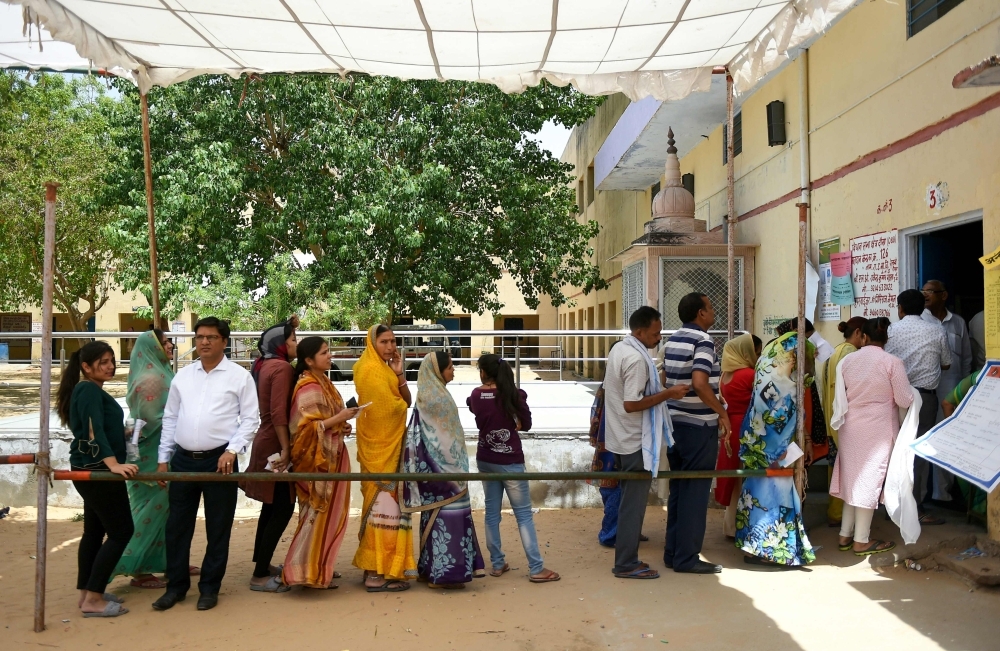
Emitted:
<point x="435" y="441"/>
<point x="149" y="377"/>
<point x="738" y="353"/>
<point x="272" y="344"/>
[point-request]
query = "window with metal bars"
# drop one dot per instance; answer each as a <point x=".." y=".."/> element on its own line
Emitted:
<point x="921" y="13"/>
<point x="737" y="138"/>
<point x="709" y="276"/>
<point x="633" y="290"/>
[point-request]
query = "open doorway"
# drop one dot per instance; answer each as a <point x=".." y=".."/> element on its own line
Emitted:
<point x="951" y="255"/>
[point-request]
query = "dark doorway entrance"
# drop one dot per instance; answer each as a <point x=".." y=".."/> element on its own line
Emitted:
<point x="951" y="255"/>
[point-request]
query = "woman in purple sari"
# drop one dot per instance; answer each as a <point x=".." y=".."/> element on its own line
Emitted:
<point x="435" y="443"/>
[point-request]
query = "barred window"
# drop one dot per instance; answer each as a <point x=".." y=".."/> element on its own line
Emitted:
<point x="633" y="290"/>
<point x="921" y="13"/>
<point x="709" y="276"/>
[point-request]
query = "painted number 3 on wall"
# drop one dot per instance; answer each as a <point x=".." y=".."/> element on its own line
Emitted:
<point x="937" y="195"/>
<point x="885" y="207"/>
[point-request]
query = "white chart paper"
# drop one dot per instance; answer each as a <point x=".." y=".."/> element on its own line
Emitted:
<point x="968" y="442"/>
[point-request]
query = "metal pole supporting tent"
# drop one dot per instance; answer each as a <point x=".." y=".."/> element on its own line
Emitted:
<point x="665" y="56"/>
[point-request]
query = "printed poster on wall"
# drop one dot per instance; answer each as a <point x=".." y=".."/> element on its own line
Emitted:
<point x="828" y="311"/>
<point x="875" y="272"/>
<point x="841" y="287"/>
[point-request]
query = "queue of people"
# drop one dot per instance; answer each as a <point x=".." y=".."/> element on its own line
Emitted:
<point x="686" y="411"/>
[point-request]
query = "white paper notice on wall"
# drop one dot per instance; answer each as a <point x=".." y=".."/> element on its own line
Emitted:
<point x="875" y="273"/>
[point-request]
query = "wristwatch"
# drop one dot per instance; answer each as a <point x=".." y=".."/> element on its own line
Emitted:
<point x="232" y="452"/>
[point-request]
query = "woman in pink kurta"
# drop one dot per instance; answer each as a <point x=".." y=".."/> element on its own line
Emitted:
<point x="875" y="384"/>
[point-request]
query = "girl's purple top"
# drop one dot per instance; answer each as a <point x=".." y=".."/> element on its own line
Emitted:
<point x="498" y="439"/>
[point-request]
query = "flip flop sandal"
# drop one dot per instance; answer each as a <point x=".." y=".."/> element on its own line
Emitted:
<point x="500" y="571"/>
<point x="402" y="586"/>
<point x="113" y="609"/>
<point x="336" y="575"/>
<point x="550" y="577"/>
<point x="113" y="598"/>
<point x="332" y="586"/>
<point x="873" y="548"/>
<point x="642" y="572"/>
<point x="153" y="583"/>
<point x="273" y="584"/>
<point x="845" y="548"/>
<point x="929" y="520"/>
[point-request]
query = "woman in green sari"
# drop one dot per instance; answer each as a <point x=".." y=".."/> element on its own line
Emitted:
<point x="149" y="378"/>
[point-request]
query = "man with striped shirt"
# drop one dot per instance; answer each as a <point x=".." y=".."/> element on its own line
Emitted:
<point x="699" y="421"/>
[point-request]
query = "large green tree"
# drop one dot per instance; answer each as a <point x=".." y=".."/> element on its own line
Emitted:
<point x="417" y="193"/>
<point x="54" y="128"/>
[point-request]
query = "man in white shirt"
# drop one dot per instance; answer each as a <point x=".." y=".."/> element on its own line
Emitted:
<point x="211" y="415"/>
<point x="923" y="347"/>
<point x="960" y="343"/>
<point x="625" y="400"/>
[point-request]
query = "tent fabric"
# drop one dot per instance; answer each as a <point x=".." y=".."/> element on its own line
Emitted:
<point x="660" y="48"/>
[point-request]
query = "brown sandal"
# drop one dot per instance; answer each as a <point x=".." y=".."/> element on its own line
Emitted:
<point x="547" y="577"/>
<point x="500" y="572"/>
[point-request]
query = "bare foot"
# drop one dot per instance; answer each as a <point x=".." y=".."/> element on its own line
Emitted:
<point x="259" y="580"/>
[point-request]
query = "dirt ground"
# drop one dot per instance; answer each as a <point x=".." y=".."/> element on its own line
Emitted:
<point x="17" y="396"/>
<point x="839" y="603"/>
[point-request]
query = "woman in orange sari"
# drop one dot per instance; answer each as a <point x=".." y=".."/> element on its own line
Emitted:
<point x="385" y="551"/>
<point x="318" y="425"/>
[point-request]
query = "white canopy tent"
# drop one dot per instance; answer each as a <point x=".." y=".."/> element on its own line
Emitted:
<point x="660" y="48"/>
<point x="665" y="49"/>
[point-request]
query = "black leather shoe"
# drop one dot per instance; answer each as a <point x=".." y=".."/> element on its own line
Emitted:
<point x="167" y="601"/>
<point x="701" y="567"/>
<point x="207" y="601"/>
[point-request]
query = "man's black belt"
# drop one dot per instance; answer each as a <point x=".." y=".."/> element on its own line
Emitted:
<point x="202" y="454"/>
<point x="931" y="391"/>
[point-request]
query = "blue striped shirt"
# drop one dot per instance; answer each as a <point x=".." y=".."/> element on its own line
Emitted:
<point x="687" y="350"/>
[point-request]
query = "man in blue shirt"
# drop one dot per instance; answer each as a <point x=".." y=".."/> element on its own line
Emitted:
<point x="699" y="421"/>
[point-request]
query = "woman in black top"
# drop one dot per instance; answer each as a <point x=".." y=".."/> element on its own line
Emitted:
<point x="97" y="423"/>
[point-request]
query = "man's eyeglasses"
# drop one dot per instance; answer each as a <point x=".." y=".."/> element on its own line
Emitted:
<point x="932" y="291"/>
<point x="211" y="339"/>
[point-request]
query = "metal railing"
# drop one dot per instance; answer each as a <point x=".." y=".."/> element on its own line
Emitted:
<point x="564" y="347"/>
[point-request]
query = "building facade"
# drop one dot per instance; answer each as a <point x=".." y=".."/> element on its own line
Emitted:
<point x="899" y="164"/>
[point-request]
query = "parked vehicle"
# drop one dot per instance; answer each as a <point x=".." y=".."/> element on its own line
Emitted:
<point x="413" y="348"/>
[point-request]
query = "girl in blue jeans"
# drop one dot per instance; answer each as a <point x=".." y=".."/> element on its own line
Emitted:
<point x="501" y="410"/>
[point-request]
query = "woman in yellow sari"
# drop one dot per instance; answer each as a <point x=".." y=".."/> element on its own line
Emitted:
<point x="318" y="425"/>
<point x="385" y="552"/>
<point x="852" y="342"/>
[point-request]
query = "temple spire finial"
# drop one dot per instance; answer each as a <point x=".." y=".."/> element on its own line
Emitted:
<point x="670" y="141"/>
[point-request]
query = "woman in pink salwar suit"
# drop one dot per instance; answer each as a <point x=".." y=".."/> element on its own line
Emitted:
<point x="875" y="384"/>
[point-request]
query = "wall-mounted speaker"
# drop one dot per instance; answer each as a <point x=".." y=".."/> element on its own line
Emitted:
<point x="776" y="123"/>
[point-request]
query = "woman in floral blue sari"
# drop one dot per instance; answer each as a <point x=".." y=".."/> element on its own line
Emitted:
<point x="769" y="515"/>
<point x="435" y="443"/>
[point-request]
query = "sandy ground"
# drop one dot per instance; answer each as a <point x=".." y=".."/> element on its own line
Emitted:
<point x="839" y="603"/>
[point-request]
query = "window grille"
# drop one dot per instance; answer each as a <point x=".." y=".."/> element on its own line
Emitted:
<point x="921" y="13"/>
<point x="633" y="290"/>
<point x="681" y="276"/>
<point x="737" y="139"/>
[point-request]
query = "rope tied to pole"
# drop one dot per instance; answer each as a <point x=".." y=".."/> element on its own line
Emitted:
<point x="42" y="466"/>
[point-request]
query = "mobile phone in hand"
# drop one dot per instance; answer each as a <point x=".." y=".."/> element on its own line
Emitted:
<point x="352" y="403"/>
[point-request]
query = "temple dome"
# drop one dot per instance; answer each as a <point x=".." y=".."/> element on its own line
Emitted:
<point x="673" y="200"/>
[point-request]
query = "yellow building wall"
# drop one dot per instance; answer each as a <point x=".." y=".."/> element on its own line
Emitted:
<point x="868" y="87"/>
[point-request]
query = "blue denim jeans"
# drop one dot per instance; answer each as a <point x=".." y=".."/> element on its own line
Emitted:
<point x="520" y="501"/>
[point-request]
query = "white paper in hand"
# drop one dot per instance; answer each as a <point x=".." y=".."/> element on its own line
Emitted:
<point x="139" y="424"/>
<point x="792" y="455"/>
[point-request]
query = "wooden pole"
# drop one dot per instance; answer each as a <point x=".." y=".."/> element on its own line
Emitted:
<point x="800" y="355"/>
<point x="731" y="210"/>
<point x="45" y="394"/>
<point x="154" y="275"/>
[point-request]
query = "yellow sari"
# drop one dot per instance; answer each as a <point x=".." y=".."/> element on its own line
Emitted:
<point x="835" y="510"/>
<point x="386" y="537"/>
